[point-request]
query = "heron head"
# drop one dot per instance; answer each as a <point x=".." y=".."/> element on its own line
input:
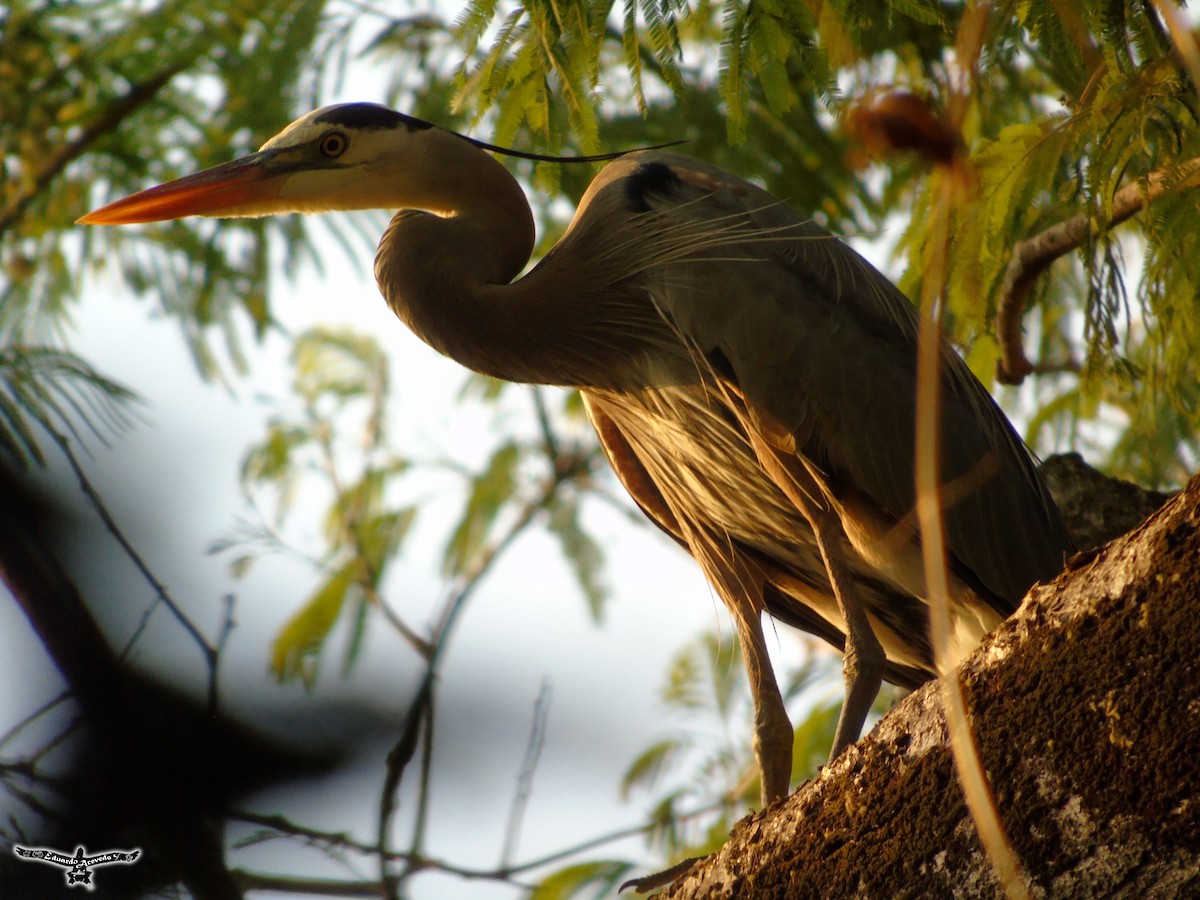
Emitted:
<point x="348" y="156"/>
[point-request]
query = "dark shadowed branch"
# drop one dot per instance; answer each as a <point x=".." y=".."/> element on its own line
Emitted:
<point x="210" y="650"/>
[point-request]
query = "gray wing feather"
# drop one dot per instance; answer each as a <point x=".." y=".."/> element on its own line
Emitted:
<point x="823" y="344"/>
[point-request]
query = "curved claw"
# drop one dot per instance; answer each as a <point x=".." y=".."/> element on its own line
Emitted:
<point x="660" y="879"/>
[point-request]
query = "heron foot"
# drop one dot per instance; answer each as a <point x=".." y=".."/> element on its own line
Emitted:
<point x="862" y="672"/>
<point x="774" y="742"/>
<point x="660" y="879"/>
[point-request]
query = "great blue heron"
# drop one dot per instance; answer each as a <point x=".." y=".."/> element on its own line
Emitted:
<point x="751" y="379"/>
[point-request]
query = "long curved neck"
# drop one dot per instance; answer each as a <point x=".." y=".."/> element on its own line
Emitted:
<point x="447" y="271"/>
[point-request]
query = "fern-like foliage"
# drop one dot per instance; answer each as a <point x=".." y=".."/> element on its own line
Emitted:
<point x="45" y="391"/>
<point x="1108" y="109"/>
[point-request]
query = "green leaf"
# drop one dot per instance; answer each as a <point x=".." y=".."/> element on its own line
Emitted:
<point x="663" y="32"/>
<point x="733" y="61"/>
<point x="272" y="462"/>
<point x="381" y="537"/>
<point x="631" y="47"/>
<point x="473" y="21"/>
<point x="644" y="771"/>
<point x="597" y="880"/>
<point x="927" y="13"/>
<point x="684" y="688"/>
<point x="241" y="565"/>
<point x="582" y="553"/>
<point x="298" y="645"/>
<point x="340" y="363"/>
<point x="357" y="503"/>
<point x="16" y="437"/>
<point x="59" y="392"/>
<point x="490" y="491"/>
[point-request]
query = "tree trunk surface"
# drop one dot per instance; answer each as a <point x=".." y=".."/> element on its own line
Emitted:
<point x="1085" y="707"/>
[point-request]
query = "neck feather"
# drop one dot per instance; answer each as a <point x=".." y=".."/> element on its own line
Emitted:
<point x="449" y="276"/>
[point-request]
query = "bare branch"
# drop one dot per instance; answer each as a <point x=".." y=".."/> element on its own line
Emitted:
<point x="160" y="590"/>
<point x="533" y="752"/>
<point x="1033" y="256"/>
<point x="320" y="887"/>
<point x="505" y="873"/>
<point x="420" y="712"/>
<point x="397" y="761"/>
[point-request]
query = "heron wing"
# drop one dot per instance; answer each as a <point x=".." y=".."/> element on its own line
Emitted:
<point x="822" y="349"/>
<point x="781" y="581"/>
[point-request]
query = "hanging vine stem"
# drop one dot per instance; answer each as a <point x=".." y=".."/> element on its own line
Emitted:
<point x="950" y="182"/>
<point x="971" y="776"/>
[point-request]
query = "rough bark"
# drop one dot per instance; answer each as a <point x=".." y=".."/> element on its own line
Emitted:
<point x="1086" y="712"/>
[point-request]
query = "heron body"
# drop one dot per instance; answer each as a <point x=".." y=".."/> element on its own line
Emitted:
<point x="751" y="379"/>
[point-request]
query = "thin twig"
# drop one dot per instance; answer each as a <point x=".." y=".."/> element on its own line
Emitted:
<point x="289" y="829"/>
<point x="533" y="752"/>
<point x="397" y="761"/>
<point x="420" y="712"/>
<point x="320" y="887"/>
<point x="414" y="640"/>
<point x="368" y="578"/>
<point x="227" y="626"/>
<point x="425" y="795"/>
<point x="1033" y="256"/>
<point x="160" y="590"/>
<point x="403" y="752"/>
<point x="42" y="710"/>
<point x="543" y="417"/>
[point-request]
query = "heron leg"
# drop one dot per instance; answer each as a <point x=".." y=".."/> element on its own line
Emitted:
<point x="863" y="661"/>
<point x="740" y="584"/>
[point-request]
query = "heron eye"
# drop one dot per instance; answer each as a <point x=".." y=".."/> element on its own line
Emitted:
<point x="333" y="144"/>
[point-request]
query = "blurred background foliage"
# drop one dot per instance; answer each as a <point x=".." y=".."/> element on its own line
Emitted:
<point x="1069" y="104"/>
<point x="1068" y="108"/>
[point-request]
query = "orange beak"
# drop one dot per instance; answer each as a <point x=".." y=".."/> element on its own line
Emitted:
<point x="240" y="187"/>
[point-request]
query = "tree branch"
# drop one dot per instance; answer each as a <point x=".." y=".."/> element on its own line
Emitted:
<point x="109" y="120"/>
<point x="420" y="713"/>
<point x="1033" y="256"/>
<point x="160" y="590"/>
<point x="331" y="841"/>
<point x="307" y="887"/>
<point x="1084" y="708"/>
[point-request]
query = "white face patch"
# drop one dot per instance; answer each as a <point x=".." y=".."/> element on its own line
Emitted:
<point x="301" y="131"/>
